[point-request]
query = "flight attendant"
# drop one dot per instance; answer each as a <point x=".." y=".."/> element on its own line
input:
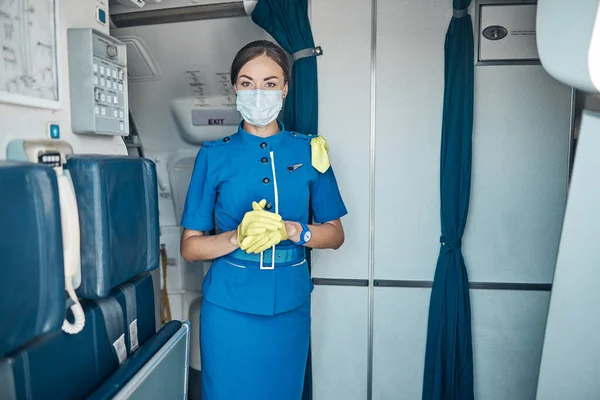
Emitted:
<point x="259" y="183"/>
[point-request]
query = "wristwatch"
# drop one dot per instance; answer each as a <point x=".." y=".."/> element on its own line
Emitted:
<point x="305" y="235"/>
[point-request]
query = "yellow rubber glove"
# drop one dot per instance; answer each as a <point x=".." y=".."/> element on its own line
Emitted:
<point x="268" y="238"/>
<point x="319" y="149"/>
<point x="257" y="222"/>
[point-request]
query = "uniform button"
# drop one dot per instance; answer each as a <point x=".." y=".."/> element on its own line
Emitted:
<point x="264" y="160"/>
<point x="226" y="139"/>
<point x="266" y="180"/>
<point x="263" y="145"/>
<point x="269" y="206"/>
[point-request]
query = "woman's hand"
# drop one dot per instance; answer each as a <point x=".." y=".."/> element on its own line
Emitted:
<point x="293" y="230"/>
<point x="233" y="238"/>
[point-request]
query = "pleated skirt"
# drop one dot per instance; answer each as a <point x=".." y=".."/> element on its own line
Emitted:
<point x="253" y="357"/>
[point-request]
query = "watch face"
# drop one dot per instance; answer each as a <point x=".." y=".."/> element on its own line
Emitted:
<point x="307" y="236"/>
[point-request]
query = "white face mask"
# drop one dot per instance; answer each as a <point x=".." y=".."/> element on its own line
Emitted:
<point x="259" y="107"/>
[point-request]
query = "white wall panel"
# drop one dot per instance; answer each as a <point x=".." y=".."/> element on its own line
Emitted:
<point x="410" y="84"/>
<point x="339" y="342"/>
<point x="520" y="168"/>
<point x="344" y="32"/>
<point x="508" y="331"/>
<point x="508" y="334"/>
<point x="400" y="329"/>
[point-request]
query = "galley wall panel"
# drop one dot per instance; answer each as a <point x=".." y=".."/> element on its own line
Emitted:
<point x="521" y="145"/>
<point x="339" y="342"/>
<point x="508" y="332"/>
<point x="410" y="87"/>
<point x="344" y="32"/>
<point x="399" y="332"/>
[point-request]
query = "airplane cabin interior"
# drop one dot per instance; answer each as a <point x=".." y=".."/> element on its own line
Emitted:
<point x="465" y="136"/>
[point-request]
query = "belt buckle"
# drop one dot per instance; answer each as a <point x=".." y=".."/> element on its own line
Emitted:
<point x="271" y="265"/>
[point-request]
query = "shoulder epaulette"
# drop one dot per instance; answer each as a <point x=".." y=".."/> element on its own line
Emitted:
<point x="302" y="136"/>
<point x="216" y="143"/>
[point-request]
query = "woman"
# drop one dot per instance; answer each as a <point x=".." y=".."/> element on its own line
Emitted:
<point x="258" y="182"/>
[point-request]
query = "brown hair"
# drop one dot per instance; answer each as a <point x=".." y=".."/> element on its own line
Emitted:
<point x="258" y="48"/>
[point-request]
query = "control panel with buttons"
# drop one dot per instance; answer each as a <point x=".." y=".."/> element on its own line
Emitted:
<point x="98" y="83"/>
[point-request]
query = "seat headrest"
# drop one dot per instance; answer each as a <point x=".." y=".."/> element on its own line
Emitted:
<point x="117" y="199"/>
<point x="32" y="287"/>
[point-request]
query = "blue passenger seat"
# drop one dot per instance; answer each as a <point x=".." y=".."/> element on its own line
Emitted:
<point x="118" y="214"/>
<point x="134" y="364"/>
<point x="63" y="366"/>
<point x="32" y="288"/>
<point x="136" y="298"/>
<point x="117" y="197"/>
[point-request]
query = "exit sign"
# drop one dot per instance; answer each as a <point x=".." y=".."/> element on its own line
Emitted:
<point x="209" y="116"/>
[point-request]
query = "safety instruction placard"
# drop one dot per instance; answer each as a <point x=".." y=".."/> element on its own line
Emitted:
<point x="120" y="349"/>
<point x="507" y="33"/>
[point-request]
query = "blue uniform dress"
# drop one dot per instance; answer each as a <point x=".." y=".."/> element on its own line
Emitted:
<point x="255" y="323"/>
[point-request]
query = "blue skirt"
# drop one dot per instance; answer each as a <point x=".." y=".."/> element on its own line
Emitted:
<point x="253" y="357"/>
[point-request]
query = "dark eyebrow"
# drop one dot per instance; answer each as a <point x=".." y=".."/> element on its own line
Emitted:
<point x="245" y="76"/>
<point x="271" y="77"/>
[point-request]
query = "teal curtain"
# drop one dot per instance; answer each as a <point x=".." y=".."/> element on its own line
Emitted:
<point x="287" y="22"/>
<point x="448" y="373"/>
